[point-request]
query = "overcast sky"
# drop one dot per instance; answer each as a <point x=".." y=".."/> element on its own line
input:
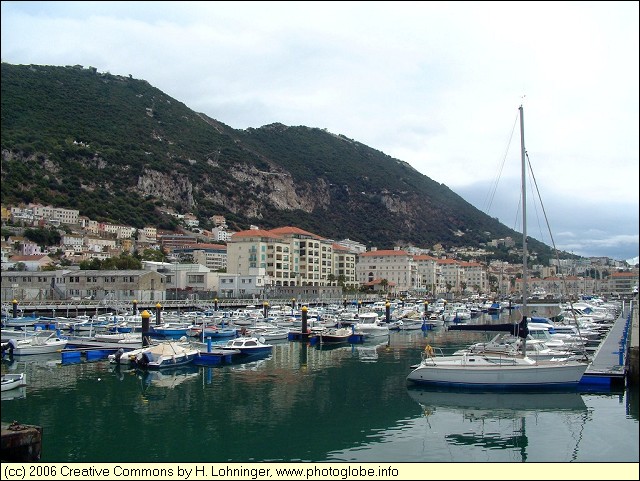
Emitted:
<point x="436" y="84"/>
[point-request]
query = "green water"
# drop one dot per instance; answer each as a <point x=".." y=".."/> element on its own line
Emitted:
<point x="302" y="403"/>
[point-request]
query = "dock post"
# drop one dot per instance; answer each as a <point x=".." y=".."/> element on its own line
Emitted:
<point x="158" y="315"/>
<point x="135" y="307"/>
<point x="145" y="327"/>
<point x="303" y="328"/>
<point x="15" y="308"/>
<point x="387" y="307"/>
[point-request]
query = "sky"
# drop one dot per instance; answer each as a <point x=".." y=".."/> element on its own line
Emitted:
<point x="435" y="84"/>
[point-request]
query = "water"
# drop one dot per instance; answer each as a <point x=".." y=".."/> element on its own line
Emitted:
<point x="302" y="403"/>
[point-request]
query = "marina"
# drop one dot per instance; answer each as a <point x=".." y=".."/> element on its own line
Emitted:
<point x="261" y="408"/>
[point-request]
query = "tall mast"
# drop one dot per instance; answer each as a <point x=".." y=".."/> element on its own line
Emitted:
<point x="525" y="274"/>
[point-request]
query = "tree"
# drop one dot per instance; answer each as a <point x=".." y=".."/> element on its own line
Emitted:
<point x="153" y="255"/>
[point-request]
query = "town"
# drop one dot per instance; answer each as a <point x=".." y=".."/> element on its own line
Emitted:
<point x="285" y="262"/>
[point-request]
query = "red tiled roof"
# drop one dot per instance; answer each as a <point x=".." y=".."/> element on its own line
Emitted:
<point x="293" y="230"/>
<point x="384" y="252"/>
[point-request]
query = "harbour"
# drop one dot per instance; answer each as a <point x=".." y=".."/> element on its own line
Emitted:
<point x="275" y="408"/>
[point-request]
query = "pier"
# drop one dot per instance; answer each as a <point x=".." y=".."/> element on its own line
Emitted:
<point x="610" y="363"/>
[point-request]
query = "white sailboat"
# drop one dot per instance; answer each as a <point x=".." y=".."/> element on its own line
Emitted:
<point x="495" y="370"/>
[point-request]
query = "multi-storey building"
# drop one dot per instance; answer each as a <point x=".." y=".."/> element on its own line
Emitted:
<point x="396" y="266"/>
<point x="344" y="266"/>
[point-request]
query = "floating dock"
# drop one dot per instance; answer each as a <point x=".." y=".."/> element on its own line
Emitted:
<point x="608" y="367"/>
<point x="215" y="357"/>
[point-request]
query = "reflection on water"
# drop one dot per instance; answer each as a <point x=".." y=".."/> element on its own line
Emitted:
<point x="497" y="420"/>
<point x="15" y="393"/>
<point x="301" y="403"/>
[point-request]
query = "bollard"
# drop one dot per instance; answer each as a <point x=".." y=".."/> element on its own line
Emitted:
<point x="158" y="315"/>
<point x="145" y="327"/>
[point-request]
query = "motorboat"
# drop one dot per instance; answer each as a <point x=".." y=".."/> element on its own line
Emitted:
<point x="335" y="335"/>
<point x="41" y="342"/>
<point x="248" y="345"/>
<point x="119" y="337"/>
<point x="165" y="354"/>
<point x="370" y="326"/>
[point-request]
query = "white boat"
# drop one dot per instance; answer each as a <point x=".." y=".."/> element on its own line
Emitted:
<point x="489" y="370"/>
<point x="335" y="335"/>
<point x="13" y="381"/>
<point x="274" y="333"/>
<point x="119" y="337"/>
<point x="507" y="344"/>
<point x="248" y="345"/>
<point x="165" y="354"/>
<point x="125" y="357"/>
<point x="40" y="343"/>
<point x="370" y="326"/>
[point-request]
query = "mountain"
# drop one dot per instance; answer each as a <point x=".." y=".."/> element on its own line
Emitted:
<point x="120" y="150"/>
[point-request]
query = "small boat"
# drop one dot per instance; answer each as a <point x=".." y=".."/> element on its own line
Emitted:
<point x="21" y="321"/>
<point x="248" y="345"/>
<point x="41" y="343"/>
<point x="165" y="354"/>
<point x="13" y="381"/>
<point x="370" y="326"/>
<point x="119" y="337"/>
<point x="170" y="330"/>
<point x="214" y="332"/>
<point x="269" y="333"/>
<point x="125" y="357"/>
<point x="335" y="335"/>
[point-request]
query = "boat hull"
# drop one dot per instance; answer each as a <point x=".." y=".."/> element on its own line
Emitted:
<point x="497" y="373"/>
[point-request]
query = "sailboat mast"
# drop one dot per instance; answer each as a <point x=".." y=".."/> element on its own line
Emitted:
<point x="524" y="229"/>
<point x="524" y="209"/>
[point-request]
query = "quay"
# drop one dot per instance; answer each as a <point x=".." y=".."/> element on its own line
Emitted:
<point x="20" y="442"/>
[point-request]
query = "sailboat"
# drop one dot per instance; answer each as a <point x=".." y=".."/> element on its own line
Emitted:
<point x="497" y="370"/>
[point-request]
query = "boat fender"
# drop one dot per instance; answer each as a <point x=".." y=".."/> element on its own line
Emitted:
<point x="12" y="345"/>
<point x="119" y="355"/>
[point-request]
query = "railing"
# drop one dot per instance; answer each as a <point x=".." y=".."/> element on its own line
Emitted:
<point x="169" y="304"/>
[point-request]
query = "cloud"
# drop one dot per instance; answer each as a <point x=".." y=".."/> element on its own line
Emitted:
<point x="435" y="84"/>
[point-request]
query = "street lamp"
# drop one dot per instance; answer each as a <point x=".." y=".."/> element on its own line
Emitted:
<point x="238" y="277"/>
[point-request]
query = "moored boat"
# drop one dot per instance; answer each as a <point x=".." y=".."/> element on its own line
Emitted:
<point x="165" y="354"/>
<point x="40" y="343"/>
<point x="248" y="345"/>
<point x="497" y="370"/>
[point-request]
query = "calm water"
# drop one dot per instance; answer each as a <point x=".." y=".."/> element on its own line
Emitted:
<point x="347" y="404"/>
